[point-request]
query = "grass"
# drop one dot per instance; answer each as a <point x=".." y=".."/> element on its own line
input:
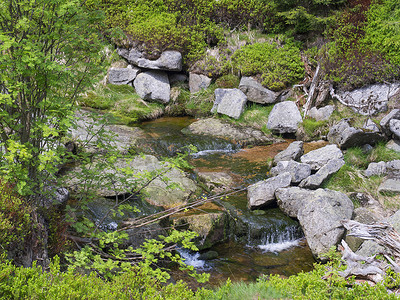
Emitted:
<point x="198" y="104"/>
<point x="122" y="102"/>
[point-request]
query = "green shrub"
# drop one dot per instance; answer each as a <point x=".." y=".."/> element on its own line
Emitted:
<point x="315" y="128"/>
<point x="278" y="66"/>
<point x="229" y="81"/>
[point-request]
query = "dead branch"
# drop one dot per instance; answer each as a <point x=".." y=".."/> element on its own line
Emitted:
<point x="314" y="82"/>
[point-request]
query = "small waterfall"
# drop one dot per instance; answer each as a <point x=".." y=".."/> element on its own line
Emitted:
<point x="192" y="259"/>
<point x="281" y="240"/>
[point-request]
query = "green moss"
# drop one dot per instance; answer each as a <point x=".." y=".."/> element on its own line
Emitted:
<point x="229" y="81"/>
<point x="122" y="102"/>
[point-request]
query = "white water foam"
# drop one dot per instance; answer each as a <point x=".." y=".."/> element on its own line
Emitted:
<point x="192" y="259"/>
<point x="278" y="247"/>
<point x="208" y="152"/>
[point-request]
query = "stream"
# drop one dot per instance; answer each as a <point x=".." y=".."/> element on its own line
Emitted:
<point x="261" y="241"/>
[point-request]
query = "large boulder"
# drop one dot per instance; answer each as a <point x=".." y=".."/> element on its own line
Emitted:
<point x="385" y="122"/>
<point x="316" y="180"/>
<point x="230" y="102"/>
<point x="293" y="152"/>
<point x="320" y="219"/>
<point x="153" y="86"/>
<point x="393" y="168"/>
<point x="255" y="92"/>
<point x="262" y="193"/>
<point x="121" y="76"/>
<point x="297" y="170"/>
<point x="394" y="126"/>
<point x="168" y="60"/>
<point x="390" y="186"/>
<point x="198" y="82"/>
<point x="320" y="157"/>
<point x="284" y="118"/>
<point x="345" y="136"/>
<point x="218" y="128"/>
<point x="393" y="145"/>
<point x="170" y="186"/>
<point x="291" y="199"/>
<point x="321" y="114"/>
<point x="375" y="169"/>
<point x="370" y="100"/>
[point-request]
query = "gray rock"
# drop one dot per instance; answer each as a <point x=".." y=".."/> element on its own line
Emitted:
<point x="316" y="180"/>
<point x="375" y="169"/>
<point x="393" y="168"/>
<point x="298" y="171"/>
<point x="218" y="128"/>
<point x="370" y="126"/>
<point x="320" y="219"/>
<point x="394" y="126"/>
<point x="153" y="86"/>
<point x="255" y="92"/>
<point x="385" y="122"/>
<point x="291" y="199"/>
<point x="322" y="113"/>
<point x="346" y="136"/>
<point x="121" y="76"/>
<point x="390" y="186"/>
<point x="230" y="102"/>
<point x="168" y="60"/>
<point x="284" y="118"/>
<point x="53" y="196"/>
<point x="292" y="152"/>
<point x="218" y="182"/>
<point x="177" y="77"/>
<point x="198" y="82"/>
<point x="393" y="145"/>
<point x="263" y="192"/>
<point x="370" y="100"/>
<point x="320" y="157"/>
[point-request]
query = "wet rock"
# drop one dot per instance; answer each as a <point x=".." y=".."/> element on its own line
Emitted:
<point x="153" y="86"/>
<point x="290" y="200"/>
<point x="217" y="128"/>
<point x="394" y="126"/>
<point x="122" y="177"/>
<point x="346" y="136"/>
<point x="262" y="193"/>
<point x="255" y="92"/>
<point x="121" y="76"/>
<point x="298" y="171"/>
<point x="316" y="180"/>
<point x="393" y="145"/>
<point x="284" y="118"/>
<point x="217" y="181"/>
<point x="385" y="122"/>
<point x="137" y="236"/>
<point x="320" y="157"/>
<point x="393" y="168"/>
<point x="390" y="186"/>
<point x="168" y="60"/>
<point x="211" y="227"/>
<point x="375" y="169"/>
<point x="370" y="100"/>
<point x="320" y="219"/>
<point x="198" y="82"/>
<point x="292" y="152"/>
<point x="322" y="113"/>
<point x="209" y="255"/>
<point x="230" y="102"/>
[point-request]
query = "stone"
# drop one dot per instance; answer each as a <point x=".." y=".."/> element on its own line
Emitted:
<point x="297" y="170"/>
<point x="393" y="145"/>
<point x="284" y="118"/>
<point x="218" y="182"/>
<point x="121" y="76"/>
<point x="321" y="114"/>
<point x="153" y="86"/>
<point x="168" y="60"/>
<point x="209" y="255"/>
<point x="371" y="99"/>
<point x="385" y="122"/>
<point x="290" y="200"/>
<point x="255" y="92"/>
<point x="390" y="186"/>
<point x="394" y="126"/>
<point x="198" y="82"/>
<point x="292" y="152"/>
<point x="316" y="180"/>
<point x="370" y="126"/>
<point x="53" y="196"/>
<point x="230" y="102"/>
<point x="393" y="168"/>
<point x="217" y="128"/>
<point x="375" y="169"/>
<point x="346" y="136"/>
<point x="262" y="193"/>
<point x="320" y="157"/>
<point x="320" y="219"/>
<point x="177" y="77"/>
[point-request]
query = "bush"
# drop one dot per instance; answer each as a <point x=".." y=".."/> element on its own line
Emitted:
<point x="278" y="66"/>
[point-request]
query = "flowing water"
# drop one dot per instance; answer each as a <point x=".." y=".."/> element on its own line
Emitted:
<point x="260" y="242"/>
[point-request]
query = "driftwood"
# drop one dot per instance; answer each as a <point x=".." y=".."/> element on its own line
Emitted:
<point x="370" y="268"/>
<point x="310" y="98"/>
